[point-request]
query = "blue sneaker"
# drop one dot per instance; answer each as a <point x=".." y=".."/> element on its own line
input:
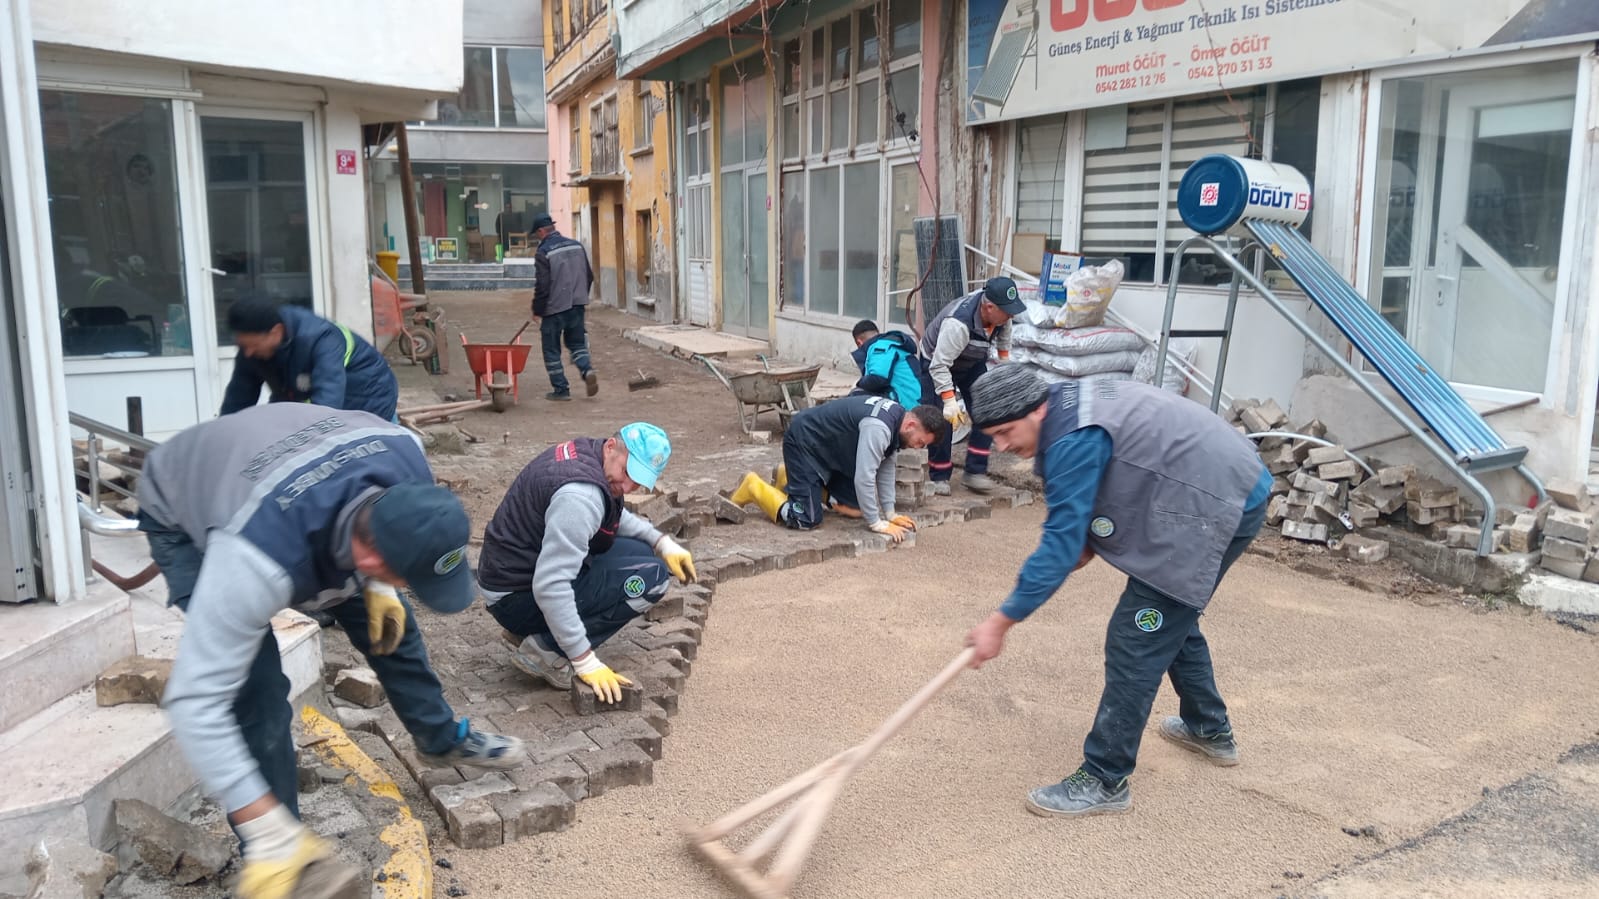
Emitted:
<point x="478" y="750"/>
<point x="1078" y="795"/>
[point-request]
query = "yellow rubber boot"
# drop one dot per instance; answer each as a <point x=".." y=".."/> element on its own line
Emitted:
<point x="780" y="477"/>
<point x="754" y="490"/>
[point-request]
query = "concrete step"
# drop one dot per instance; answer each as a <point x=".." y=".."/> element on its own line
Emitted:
<point x="68" y="763"/>
<point x="50" y="651"/>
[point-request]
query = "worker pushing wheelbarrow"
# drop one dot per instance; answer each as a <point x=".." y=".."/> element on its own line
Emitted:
<point x="497" y="365"/>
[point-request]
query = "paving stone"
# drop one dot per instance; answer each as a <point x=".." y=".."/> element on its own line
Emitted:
<point x="1364" y="549"/>
<point x="1462" y="536"/>
<point x="726" y="510"/>
<point x="688" y="646"/>
<point x="68" y="870"/>
<point x="1419" y="514"/>
<point x="361" y="686"/>
<point x="668" y="606"/>
<point x="448" y="796"/>
<point x="475" y="824"/>
<point x="1564" y="568"/>
<point x="628" y="730"/>
<point x="1564" y="550"/>
<point x="169" y="847"/>
<point x="1362" y="515"/>
<point x="1280" y="485"/>
<point x="1430" y="494"/>
<point x="1567" y="524"/>
<point x="1325" y="455"/>
<point x="136" y="679"/>
<point x="1523" y="534"/>
<point x="727" y="567"/>
<point x="1386" y="499"/>
<point x="653" y="506"/>
<point x="1276" y="510"/>
<point x="543" y="809"/>
<point x="659" y="692"/>
<point x="1341" y="471"/>
<point x="619" y="766"/>
<point x="562" y="772"/>
<point x="587" y="703"/>
<point x="1395" y="475"/>
<point x="1305" y="482"/>
<point x="430" y="778"/>
<point x="1569" y="494"/>
<point x="1304" y="530"/>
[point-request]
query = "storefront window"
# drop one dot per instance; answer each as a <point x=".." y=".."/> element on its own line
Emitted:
<point x="256" y="208"/>
<point x="1467" y="232"/>
<point x="111" y="175"/>
<point x="501" y="87"/>
<point x="483" y="205"/>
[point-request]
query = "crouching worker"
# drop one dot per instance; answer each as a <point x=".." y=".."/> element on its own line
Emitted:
<point x="1112" y="456"/>
<point x="565" y="566"/>
<point x="888" y="363"/>
<point x="286" y="505"/>
<point x="844" y="449"/>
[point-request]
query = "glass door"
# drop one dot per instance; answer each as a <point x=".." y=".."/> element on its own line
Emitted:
<point x="746" y="286"/>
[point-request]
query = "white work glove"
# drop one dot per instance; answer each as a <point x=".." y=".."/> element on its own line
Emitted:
<point x="894" y="531"/>
<point x="277" y="850"/>
<point x="678" y="560"/>
<point x="955" y="413"/>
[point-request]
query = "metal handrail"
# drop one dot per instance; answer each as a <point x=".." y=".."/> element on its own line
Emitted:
<point x="105" y="525"/>
<point x="100" y="433"/>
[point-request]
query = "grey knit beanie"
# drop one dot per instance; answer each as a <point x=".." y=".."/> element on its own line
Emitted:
<point x="1006" y="393"/>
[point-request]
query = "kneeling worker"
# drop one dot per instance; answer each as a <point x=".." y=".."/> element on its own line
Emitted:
<point x="1112" y="455"/>
<point x="565" y="566"/>
<point x="299" y="505"/>
<point x="845" y="448"/>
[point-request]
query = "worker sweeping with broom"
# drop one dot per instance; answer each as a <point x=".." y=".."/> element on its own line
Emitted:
<point x="844" y="450"/>
<point x="1170" y="495"/>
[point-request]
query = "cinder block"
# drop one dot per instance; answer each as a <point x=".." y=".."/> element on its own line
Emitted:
<point x="1309" y="483"/>
<point x="1462" y="536"/>
<point x="1430" y="494"/>
<point x="1340" y="471"/>
<point x="1564" y="550"/>
<point x="1566" y="524"/>
<point x="360" y="686"/>
<point x="1364" y="549"/>
<point x="1522" y="535"/>
<point x="1326" y="455"/>
<point x="474" y="824"/>
<point x="1362" y="515"/>
<point x="1569" y="494"/>
<point x="618" y="766"/>
<point x="1565" y="568"/>
<point x="1303" y="530"/>
<point x="543" y="809"/>
<point x="138" y="679"/>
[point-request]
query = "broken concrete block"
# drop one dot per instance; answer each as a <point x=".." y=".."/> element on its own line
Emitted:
<point x="1312" y="428"/>
<point x="1590" y="572"/>
<point x="728" y="511"/>
<point x="1430" y="494"/>
<point x="1564" y="567"/>
<point x="1328" y="505"/>
<point x="1396" y="475"/>
<point x="1566" y="524"/>
<point x="1304" y="530"/>
<point x="1522" y="535"/>
<point x="1309" y="483"/>
<point x="1276" y="510"/>
<point x="68" y="870"/>
<point x="619" y="766"/>
<point x="474" y="824"/>
<point x="1419" y="514"/>
<point x="1569" y="494"/>
<point x="760" y="438"/>
<point x="586" y="703"/>
<point x="1386" y="499"/>
<point x="133" y="679"/>
<point x="651" y="506"/>
<point x="1340" y="471"/>
<point x="543" y="809"/>
<point x="1362" y="515"/>
<point x="1462" y="536"/>
<point x="1564" y="550"/>
<point x="1326" y="455"/>
<point x="360" y="686"/>
<point x="334" y="879"/>
<point x="1364" y="549"/>
<point x="169" y="847"/>
<point x="1280" y="486"/>
<point x="1264" y="416"/>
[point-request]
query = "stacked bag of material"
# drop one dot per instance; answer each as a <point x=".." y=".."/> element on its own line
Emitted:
<point x="1072" y="342"/>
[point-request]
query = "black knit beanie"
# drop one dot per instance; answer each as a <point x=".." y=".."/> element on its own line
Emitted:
<point x="1004" y="394"/>
<point x="253" y="315"/>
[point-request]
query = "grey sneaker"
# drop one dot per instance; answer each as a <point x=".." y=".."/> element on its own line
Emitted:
<point x="978" y="483"/>
<point x="1220" y="749"/>
<point x="941" y="488"/>
<point x="534" y="660"/>
<point x="479" y="750"/>
<point x="1080" y="794"/>
<point x="559" y="396"/>
<point x="591" y="381"/>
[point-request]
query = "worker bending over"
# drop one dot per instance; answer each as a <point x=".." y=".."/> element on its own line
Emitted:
<point x="955" y="353"/>
<point x="303" y="358"/>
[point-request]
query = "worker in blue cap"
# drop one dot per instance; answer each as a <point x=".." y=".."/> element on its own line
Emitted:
<point x="565" y="565"/>
<point x="297" y="505"/>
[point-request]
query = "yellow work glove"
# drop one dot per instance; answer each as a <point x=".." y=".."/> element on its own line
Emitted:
<point x="955" y="412"/>
<point x="894" y="531"/>
<point x="277" y="850"/>
<point x="903" y="521"/>
<point x="677" y="559"/>
<point x="385" y="618"/>
<point x="606" y="684"/>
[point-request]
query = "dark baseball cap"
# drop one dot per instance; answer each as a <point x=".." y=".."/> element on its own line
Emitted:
<point x="421" y="533"/>
<point x="543" y="220"/>
<point x="1002" y="293"/>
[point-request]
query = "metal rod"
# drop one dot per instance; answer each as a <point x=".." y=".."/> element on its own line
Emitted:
<point x="1316" y="440"/>
<point x="132" y="441"/>
<point x="1226" y="340"/>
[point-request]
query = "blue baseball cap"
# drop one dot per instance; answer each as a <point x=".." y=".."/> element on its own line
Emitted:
<point x="647" y="452"/>
<point x="421" y="531"/>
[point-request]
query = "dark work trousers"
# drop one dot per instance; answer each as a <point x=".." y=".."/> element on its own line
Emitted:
<point x="978" y="445"/>
<point x="613" y="588"/>
<point x="1151" y="634"/>
<point x="564" y="326"/>
<point x="807" y="481"/>
<point x="261" y="707"/>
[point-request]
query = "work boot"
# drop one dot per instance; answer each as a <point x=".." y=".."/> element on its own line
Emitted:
<point x="1220" y="749"/>
<point x="1080" y="794"/>
<point x="978" y="483"/>
<point x="559" y="396"/>
<point x="941" y="488"/>
<point x="478" y="750"/>
<point x="591" y="380"/>
<point x="534" y="660"/>
<point x="754" y="490"/>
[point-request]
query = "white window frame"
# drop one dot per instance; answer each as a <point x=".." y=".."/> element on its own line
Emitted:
<point x="1577" y="204"/>
<point x="494" y="84"/>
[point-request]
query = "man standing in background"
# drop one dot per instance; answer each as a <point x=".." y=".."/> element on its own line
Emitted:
<point x="562" y="280"/>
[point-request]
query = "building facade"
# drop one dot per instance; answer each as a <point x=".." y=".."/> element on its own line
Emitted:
<point x="481" y="167"/>
<point x="153" y="176"/>
<point x="612" y="164"/>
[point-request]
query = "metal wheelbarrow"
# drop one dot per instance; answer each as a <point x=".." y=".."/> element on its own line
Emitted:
<point x="498" y="364"/>
<point x="785" y="391"/>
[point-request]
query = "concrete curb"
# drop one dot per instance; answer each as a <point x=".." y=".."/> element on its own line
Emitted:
<point x="408" y="872"/>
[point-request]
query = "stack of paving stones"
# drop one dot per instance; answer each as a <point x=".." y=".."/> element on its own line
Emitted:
<point x="1321" y="495"/>
<point x="578" y="747"/>
<point x="1568" y="529"/>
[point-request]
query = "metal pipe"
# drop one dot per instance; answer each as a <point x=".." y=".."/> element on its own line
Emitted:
<point x="132" y="441"/>
<point x="1226" y="340"/>
<point x="105" y="525"/>
<point x="1316" y="440"/>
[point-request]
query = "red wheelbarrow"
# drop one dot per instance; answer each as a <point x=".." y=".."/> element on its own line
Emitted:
<point x="497" y="365"/>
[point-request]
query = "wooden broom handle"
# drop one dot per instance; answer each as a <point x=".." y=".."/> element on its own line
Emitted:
<point x="908" y="711"/>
